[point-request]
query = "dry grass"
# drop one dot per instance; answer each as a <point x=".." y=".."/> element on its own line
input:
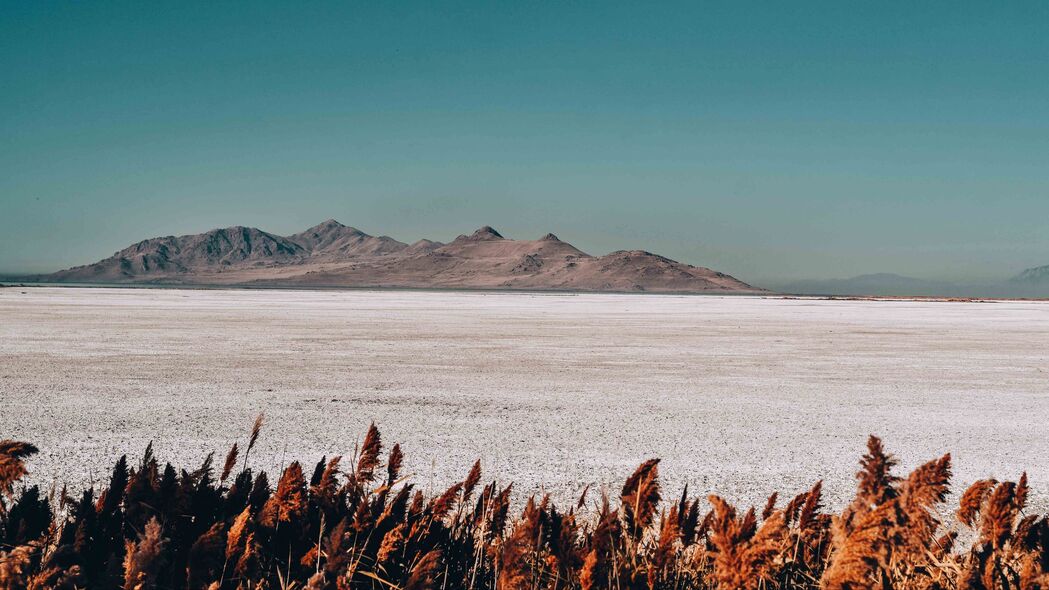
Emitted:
<point x="155" y="526"/>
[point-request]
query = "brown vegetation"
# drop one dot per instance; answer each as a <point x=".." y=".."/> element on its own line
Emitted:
<point x="367" y="527"/>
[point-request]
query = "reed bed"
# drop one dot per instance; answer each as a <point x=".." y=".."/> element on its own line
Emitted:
<point x="356" y="522"/>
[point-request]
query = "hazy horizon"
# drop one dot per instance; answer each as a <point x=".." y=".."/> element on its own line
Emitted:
<point x="772" y="143"/>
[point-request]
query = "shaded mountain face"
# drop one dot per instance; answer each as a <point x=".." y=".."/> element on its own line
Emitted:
<point x="231" y="247"/>
<point x="335" y="255"/>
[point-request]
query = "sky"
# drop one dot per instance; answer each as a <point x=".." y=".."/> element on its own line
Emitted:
<point x="769" y="140"/>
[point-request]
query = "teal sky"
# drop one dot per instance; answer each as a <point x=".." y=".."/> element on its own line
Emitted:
<point x="768" y="140"/>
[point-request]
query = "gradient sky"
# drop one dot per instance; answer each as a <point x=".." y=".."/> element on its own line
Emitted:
<point x="769" y="140"/>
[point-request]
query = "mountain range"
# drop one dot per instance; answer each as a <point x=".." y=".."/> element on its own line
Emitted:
<point x="335" y="255"/>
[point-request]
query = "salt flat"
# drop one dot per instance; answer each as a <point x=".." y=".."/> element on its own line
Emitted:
<point x="739" y="395"/>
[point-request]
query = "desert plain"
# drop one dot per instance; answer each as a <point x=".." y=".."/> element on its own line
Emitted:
<point x="739" y="395"/>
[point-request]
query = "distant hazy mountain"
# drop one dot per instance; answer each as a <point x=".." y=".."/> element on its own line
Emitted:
<point x="332" y="254"/>
<point x="887" y="284"/>
<point x="1037" y="276"/>
<point x="1030" y="283"/>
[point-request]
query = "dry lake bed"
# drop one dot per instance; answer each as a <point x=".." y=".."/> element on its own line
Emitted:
<point x="738" y="395"/>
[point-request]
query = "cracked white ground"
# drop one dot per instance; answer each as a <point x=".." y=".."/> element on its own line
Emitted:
<point x="738" y="395"/>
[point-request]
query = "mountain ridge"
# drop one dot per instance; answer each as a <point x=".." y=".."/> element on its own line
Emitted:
<point x="335" y="255"/>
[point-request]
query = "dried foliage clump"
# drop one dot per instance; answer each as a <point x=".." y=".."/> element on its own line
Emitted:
<point x="157" y="527"/>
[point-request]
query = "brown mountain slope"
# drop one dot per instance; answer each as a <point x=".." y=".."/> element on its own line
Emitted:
<point x="332" y="254"/>
<point x="334" y="240"/>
